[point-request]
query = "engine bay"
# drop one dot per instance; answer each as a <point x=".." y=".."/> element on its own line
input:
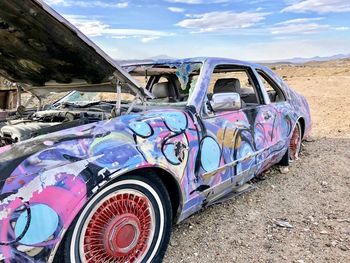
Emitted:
<point x="166" y="86"/>
<point x="15" y="128"/>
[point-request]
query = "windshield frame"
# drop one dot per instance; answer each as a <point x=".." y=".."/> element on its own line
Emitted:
<point x="190" y="101"/>
<point x="181" y="74"/>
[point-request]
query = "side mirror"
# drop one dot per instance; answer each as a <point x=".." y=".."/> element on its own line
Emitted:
<point x="226" y="101"/>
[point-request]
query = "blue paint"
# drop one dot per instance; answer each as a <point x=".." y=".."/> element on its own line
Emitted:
<point x="43" y="223"/>
<point x="175" y="121"/>
<point x="115" y="154"/>
<point x="184" y="72"/>
<point x="210" y="154"/>
<point x="142" y="129"/>
<point x="114" y="149"/>
<point x="245" y="150"/>
<point x="169" y="152"/>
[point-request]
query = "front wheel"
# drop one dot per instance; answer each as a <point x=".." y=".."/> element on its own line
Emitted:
<point x="128" y="221"/>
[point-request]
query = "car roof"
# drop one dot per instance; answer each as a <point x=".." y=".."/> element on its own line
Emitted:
<point x="208" y="60"/>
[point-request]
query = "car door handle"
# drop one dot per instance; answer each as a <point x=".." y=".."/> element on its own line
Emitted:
<point x="267" y="115"/>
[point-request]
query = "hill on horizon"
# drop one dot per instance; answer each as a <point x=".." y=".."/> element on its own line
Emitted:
<point x="296" y="60"/>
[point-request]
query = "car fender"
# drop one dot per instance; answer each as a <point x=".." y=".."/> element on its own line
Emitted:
<point x="69" y="167"/>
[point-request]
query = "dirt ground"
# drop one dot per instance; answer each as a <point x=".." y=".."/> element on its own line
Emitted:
<point x="311" y="200"/>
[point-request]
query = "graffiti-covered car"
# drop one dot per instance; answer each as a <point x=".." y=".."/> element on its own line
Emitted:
<point x="100" y="174"/>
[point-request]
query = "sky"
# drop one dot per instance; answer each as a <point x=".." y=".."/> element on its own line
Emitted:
<point x="256" y="30"/>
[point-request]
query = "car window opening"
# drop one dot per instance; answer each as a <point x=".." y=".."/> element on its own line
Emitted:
<point x="229" y="79"/>
<point x="273" y="90"/>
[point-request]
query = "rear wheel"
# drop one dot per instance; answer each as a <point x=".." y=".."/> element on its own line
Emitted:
<point x="128" y="221"/>
<point x="292" y="153"/>
<point x="295" y="143"/>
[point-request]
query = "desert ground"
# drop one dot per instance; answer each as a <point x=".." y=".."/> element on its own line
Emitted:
<point x="301" y="215"/>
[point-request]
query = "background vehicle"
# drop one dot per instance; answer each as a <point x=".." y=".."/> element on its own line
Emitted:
<point x="96" y="178"/>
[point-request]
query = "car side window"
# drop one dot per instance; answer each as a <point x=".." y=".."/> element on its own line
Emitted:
<point x="232" y="79"/>
<point x="273" y="90"/>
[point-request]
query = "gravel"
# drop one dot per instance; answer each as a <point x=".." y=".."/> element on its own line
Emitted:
<point x="311" y="201"/>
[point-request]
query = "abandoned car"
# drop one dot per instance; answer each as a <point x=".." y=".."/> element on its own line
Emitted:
<point x="101" y="174"/>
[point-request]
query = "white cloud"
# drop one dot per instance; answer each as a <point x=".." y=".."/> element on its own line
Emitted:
<point x="149" y="39"/>
<point x="94" y="28"/>
<point x="341" y="28"/>
<point x="319" y="6"/>
<point x="302" y="26"/>
<point x="300" y="20"/>
<point x="55" y="2"/>
<point x="310" y="28"/>
<point x="86" y="4"/>
<point x="221" y="21"/>
<point x="176" y="9"/>
<point x="195" y="2"/>
<point x="90" y="27"/>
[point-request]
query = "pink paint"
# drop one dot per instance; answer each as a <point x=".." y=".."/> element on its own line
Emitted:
<point x="5" y="228"/>
<point x="5" y="148"/>
<point x="74" y="192"/>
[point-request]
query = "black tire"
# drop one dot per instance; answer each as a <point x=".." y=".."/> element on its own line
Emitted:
<point x="285" y="159"/>
<point x="292" y="154"/>
<point x="144" y="193"/>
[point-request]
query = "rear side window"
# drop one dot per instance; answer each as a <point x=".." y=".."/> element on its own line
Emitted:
<point x="273" y="90"/>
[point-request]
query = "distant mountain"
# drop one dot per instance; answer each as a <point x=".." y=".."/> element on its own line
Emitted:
<point x="133" y="61"/>
<point x="161" y="57"/>
<point x="299" y="60"/>
<point x="296" y="60"/>
<point x="147" y="60"/>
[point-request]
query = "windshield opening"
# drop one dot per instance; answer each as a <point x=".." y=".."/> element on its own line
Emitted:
<point x="170" y="84"/>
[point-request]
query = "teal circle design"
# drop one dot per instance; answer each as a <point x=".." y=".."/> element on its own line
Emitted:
<point x="175" y="121"/>
<point x="244" y="150"/>
<point x="141" y="128"/>
<point x="43" y="223"/>
<point x="210" y="154"/>
<point x="169" y="152"/>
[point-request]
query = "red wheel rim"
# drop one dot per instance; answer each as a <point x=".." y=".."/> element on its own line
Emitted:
<point x="120" y="229"/>
<point x="295" y="143"/>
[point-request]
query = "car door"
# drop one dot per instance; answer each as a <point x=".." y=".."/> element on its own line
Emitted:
<point x="277" y="117"/>
<point x="233" y="142"/>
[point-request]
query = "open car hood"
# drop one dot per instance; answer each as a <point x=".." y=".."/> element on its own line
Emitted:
<point x="44" y="52"/>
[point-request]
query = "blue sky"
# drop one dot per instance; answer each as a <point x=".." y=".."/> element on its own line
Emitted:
<point x="248" y="30"/>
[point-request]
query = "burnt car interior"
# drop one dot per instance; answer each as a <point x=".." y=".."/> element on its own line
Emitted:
<point x="171" y="85"/>
<point x="166" y="88"/>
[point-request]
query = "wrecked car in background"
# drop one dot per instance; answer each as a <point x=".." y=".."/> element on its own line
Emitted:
<point x="101" y="174"/>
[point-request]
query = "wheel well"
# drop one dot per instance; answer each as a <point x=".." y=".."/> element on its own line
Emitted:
<point x="302" y="124"/>
<point x="170" y="183"/>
